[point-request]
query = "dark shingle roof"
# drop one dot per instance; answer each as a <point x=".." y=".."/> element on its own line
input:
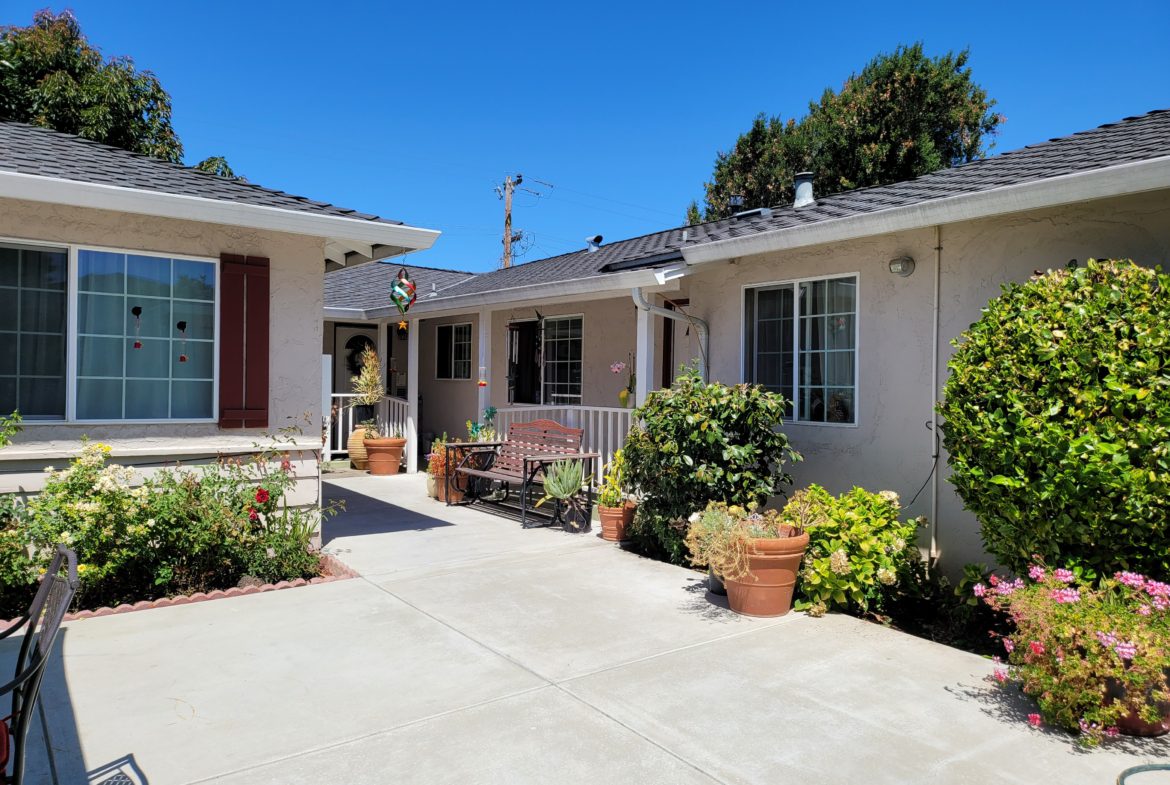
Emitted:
<point x="1132" y="139"/>
<point x="367" y="286"/>
<point x="38" y="151"/>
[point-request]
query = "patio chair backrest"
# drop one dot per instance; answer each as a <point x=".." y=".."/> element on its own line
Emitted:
<point x="538" y="437"/>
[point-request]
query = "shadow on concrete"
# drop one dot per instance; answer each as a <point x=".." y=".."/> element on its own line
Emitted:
<point x="369" y="515"/>
<point x="123" y="771"/>
<point x="701" y="602"/>
<point x="1011" y="705"/>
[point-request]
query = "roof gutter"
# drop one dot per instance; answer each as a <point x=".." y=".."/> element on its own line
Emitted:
<point x="15" y="185"/>
<point x="702" y="329"/>
<point x="1131" y="178"/>
<point x="610" y="283"/>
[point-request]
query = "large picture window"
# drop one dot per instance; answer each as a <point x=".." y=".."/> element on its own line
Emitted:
<point x="801" y="341"/>
<point x="33" y="328"/>
<point x="562" y="360"/>
<point x="453" y="351"/>
<point x="145" y="337"/>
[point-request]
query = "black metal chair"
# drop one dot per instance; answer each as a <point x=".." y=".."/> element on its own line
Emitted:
<point x="43" y="622"/>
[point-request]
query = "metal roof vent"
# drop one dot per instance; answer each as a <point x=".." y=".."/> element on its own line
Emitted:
<point x="594" y="242"/>
<point x="804" y="190"/>
<point x="762" y="212"/>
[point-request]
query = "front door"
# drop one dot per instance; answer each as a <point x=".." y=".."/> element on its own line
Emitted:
<point x="524" y="362"/>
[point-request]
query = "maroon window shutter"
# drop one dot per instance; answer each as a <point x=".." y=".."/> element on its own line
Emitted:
<point x="243" y="334"/>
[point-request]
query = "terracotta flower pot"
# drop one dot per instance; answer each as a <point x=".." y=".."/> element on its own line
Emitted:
<point x="615" y="521"/>
<point x="767" y="589"/>
<point x="356" y="448"/>
<point x="445" y="492"/>
<point x="1132" y="724"/>
<point x="384" y="455"/>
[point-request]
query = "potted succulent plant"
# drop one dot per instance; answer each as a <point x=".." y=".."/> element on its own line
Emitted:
<point x="614" y="507"/>
<point x="756" y="553"/>
<point x="440" y="471"/>
<point x="564" y="481"/>
<point x="368" y="393"/>
<point x="384" y="453"/>
<point x="1094" y="655"/>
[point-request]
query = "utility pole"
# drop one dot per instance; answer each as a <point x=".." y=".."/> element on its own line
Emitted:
<point x="505" y="193"/>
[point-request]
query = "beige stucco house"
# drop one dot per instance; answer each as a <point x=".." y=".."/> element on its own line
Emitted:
<point x="160" y="309"/>
<point x="846" y="304"/>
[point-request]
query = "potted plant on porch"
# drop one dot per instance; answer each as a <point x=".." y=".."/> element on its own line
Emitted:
<point x="614" y="507"/>
<point x="440" y="471"/>
<point x="368" y="393"/>
<point x="384" y="453"/>
<point x="564" y="481"/>
<point x="756" y="553"/>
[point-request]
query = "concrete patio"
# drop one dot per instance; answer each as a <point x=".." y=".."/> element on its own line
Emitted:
<point x="471" y="651"/>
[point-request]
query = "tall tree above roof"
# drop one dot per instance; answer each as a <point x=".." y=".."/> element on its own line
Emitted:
<point x="906" y="114"/>
<point x="51" y="76"/>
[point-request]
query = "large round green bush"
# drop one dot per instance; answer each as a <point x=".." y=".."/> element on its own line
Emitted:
<point x="1057" y="420"/>
<point x="699" y="442"/>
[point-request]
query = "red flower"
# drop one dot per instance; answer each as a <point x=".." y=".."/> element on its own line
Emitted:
<point x="1037" y="647"/>
<point x="261" y="496"/>
<point x="1035" y="721"/>
<point x="252" y="514"/>
<point x="286" y="465"/>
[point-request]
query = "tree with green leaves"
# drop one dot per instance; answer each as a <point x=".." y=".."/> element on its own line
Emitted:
<point x="51" y="76"/>
<point x="218" y="166"/>
<point x="905" y="115"/>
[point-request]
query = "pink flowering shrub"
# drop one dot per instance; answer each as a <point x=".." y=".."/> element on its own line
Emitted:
<point x="1089" y="654"/>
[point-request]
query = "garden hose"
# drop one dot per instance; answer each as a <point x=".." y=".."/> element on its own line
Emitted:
<point x="1123" y="776"/>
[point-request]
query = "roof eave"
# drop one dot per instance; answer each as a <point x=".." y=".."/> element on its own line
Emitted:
<point x="75" y="193"/>
<point x="1121" y="180"/>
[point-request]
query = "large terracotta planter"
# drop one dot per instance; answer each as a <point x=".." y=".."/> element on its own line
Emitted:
<point x="767" y="589"/>
<point x="615" y="521"/>
<point x="356" y="448"/>
<point x="1132" y="724"/>
<point x="384" y="455"/>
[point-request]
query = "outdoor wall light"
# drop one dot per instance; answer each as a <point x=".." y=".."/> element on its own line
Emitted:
<point x="903" y="266"/>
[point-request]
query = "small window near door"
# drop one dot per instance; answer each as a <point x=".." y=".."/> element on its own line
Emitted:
<point x="453" y="351"/>
<point x="562" y="360"/>
<point x="32" y="331"/>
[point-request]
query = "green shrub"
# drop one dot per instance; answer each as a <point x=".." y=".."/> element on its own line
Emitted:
<point x="859" y="551"/>
<point x="696" y="443"/>
<point x="180" y="531"/>
<point x="1057" y="420"/>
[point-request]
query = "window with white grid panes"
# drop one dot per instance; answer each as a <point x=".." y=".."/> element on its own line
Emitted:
<point x="561" y="353"/>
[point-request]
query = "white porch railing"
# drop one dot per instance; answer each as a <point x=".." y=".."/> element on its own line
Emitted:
<point x="605" y="426"/>
<point x="391" y="416"/>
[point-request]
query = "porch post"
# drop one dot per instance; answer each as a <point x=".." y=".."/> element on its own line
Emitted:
<point x="412" y="395"/>
<point x="485" y="361"/>
<point x="383" y="347"/>
<point x="644" y="365"/>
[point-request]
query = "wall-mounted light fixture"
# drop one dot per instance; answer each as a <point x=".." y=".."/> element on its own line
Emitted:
<point x="903" y="266"/>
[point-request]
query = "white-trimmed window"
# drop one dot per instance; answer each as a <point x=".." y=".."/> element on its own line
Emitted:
<point x="562" y="359"/>
<point x="145" y="337"/>
<point x="800" y="340"/>
<point x="33" y="330"/>
<point x="453" y="351"/>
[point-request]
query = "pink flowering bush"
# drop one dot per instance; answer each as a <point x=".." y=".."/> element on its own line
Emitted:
<point x="1093" y="656"/>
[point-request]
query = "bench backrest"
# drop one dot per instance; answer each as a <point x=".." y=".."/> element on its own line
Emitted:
<point x="539" y="437"/>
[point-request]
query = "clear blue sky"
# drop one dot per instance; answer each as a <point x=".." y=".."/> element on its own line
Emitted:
<point x="416" y="110"/>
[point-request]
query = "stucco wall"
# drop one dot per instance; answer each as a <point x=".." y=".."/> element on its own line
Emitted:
<point x="890" y="448"/>
<point x="295" y="333"/>
<point x="446" y="404"/>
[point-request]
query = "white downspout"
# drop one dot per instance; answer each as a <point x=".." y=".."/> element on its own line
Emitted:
<point x="702" y="331"/>
<point x="934" y="436"/>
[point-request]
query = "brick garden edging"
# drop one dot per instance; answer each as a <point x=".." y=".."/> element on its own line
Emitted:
<point x="334" y="569"/>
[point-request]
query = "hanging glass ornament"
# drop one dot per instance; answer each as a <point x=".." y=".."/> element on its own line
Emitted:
<point x="137" y="312"/>
<point x="403" y="292"/>
<point x="182" y="341"/>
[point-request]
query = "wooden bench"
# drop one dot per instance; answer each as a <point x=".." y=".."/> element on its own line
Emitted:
<point x="518" y="460"/>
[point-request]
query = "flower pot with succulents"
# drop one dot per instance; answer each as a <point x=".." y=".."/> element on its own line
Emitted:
<point x="614" y="509"/>
<point x="564" y="482"/>
<point x="441" y="472"/>
<point x="757" y="555"/>
<point x="368" y="393"/>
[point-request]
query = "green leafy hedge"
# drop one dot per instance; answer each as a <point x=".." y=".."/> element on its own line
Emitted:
<point x="696" y="443"/>
<point x="1057" y="420"/>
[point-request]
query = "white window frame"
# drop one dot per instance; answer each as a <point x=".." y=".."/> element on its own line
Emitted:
<point x="793" y="394"/>
<point x="470" y="344"/>
<point x="544" y="356"/>
<point x="71" y="300"/>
